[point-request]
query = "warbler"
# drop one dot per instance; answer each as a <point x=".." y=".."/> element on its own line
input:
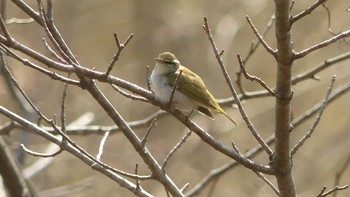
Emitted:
<point x="191" y="92"/>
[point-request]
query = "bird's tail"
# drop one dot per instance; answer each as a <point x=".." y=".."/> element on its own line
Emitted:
<point x="227" y="116"/>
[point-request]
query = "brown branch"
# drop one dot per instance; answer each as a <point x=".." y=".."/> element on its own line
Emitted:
<point x="6" y="32"/>
<point x="63" y="107"/>
<point x="44" y="155"/>
<point x="176" y="147"/>
<point x="313" y="110"/>
<point x="336" y="188"/>
<point x="133" y="97"/>
<point x="318" y="118"/>
<point x="268" y="182"/>
<point x="340" y="173"/>
<point x="254" y="45"/>
<point x="307" y="11"/>
<point x="261" y="39"/>
<point x="149" y="88"/>
<point x="303" y="53"/>
<point x="254" y="78"/>
<point x="312" y="72"/>
<point x="53" y="53"/>
<point x="51" y="74"/>
<point x="116" y="55"/>
<point x="233" y="91"/>
<point x="79" y="153"/>
<point x="148" y="131"/>
<point x="215" y="173"/>
<point x="12" y="177"/>
<point x="176" y="83"/>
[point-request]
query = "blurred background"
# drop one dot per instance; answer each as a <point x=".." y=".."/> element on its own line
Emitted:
<point x="175" y="26"/>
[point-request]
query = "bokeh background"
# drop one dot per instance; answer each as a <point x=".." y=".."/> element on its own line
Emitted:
<point x="88" y="27"/>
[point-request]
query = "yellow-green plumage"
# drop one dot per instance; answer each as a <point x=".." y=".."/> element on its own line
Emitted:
<point x="189" y="84"/>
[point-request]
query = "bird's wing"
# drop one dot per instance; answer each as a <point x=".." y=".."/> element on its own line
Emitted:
<point x="193" y="86"/>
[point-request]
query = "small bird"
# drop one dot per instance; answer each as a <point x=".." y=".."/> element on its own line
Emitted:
<point x="191" y="91"/>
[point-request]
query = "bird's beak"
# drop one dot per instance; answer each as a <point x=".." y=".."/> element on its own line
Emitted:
<point x="158" y="60"/>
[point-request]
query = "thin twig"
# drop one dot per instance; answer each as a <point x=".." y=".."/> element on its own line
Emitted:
<point x="233" y="91"/>
<point x="133" y="97"/>
<point x="176" y="147"/>
<point x="63" y="47"/>
<point x="255" y="45"/>
<point x="261" y="39"/>
<point x="329" y="19"/>
<point x="149" y="88"/>
<point x="116" y="55"/>
<point x="102" y="144"/>
<point x="63" y="107"/>
<point x="48" y="27"/>
<point x="185" y="187"/>
<point x="313" y="71"/>
<point x="268" y="182"/>
<point x="37" y="154"/>
<point x="303" y="53"/>
<point x="26" y="62"/>
<point x="73" y="150"/>
<point x="334" y="189"/>
<point x="313" y="110"/>
<point x="148" y="131"/>
<point x="214" y="173"/>
<point x="53" y="53"/>
<point x="340" y="173"/>
<point x="307" y="11"/>
<point x="317" y="120"/>
<point x="254" y="78"/>
<point x="174" y="88"/>
<point x="5" y="31"/>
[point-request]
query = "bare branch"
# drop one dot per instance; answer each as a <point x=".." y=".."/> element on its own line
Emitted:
<point x="174" y="88"/>
<point x="268" y="182"/>
<point x="254" y="78"/>
<point x="176" y="147"/>
<point x="312" y="72"/>
<point x="6" y="32"/>
<point x="116" y="55"/>
<point x="340" y="173"/>
<point x="255" y="45"/>
<point x="307" y="11"/>
<point x="51" y="74"/>
<point x="138" y="185"/>
<point x="261" y="39"/>
<point x="336" y="188"/>
<point x="148" y="131"/>
<point x="133" y="97"/>
<point x="37" y="154"/>
<point x="329" y="19"/>
<point x="303" y="53"/>
<point x="63" y="107"/>
<point x="233" y="91"/>
<point x="318" y="118"/>
<point x="53" y="53"/>
<point x="102" y="143"/>
<point x="215" y="173"/>
<point x="185" y="187"/>
<point x="148" y="80"/>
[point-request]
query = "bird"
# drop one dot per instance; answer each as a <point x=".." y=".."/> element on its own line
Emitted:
<point x="191" y="92"/>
